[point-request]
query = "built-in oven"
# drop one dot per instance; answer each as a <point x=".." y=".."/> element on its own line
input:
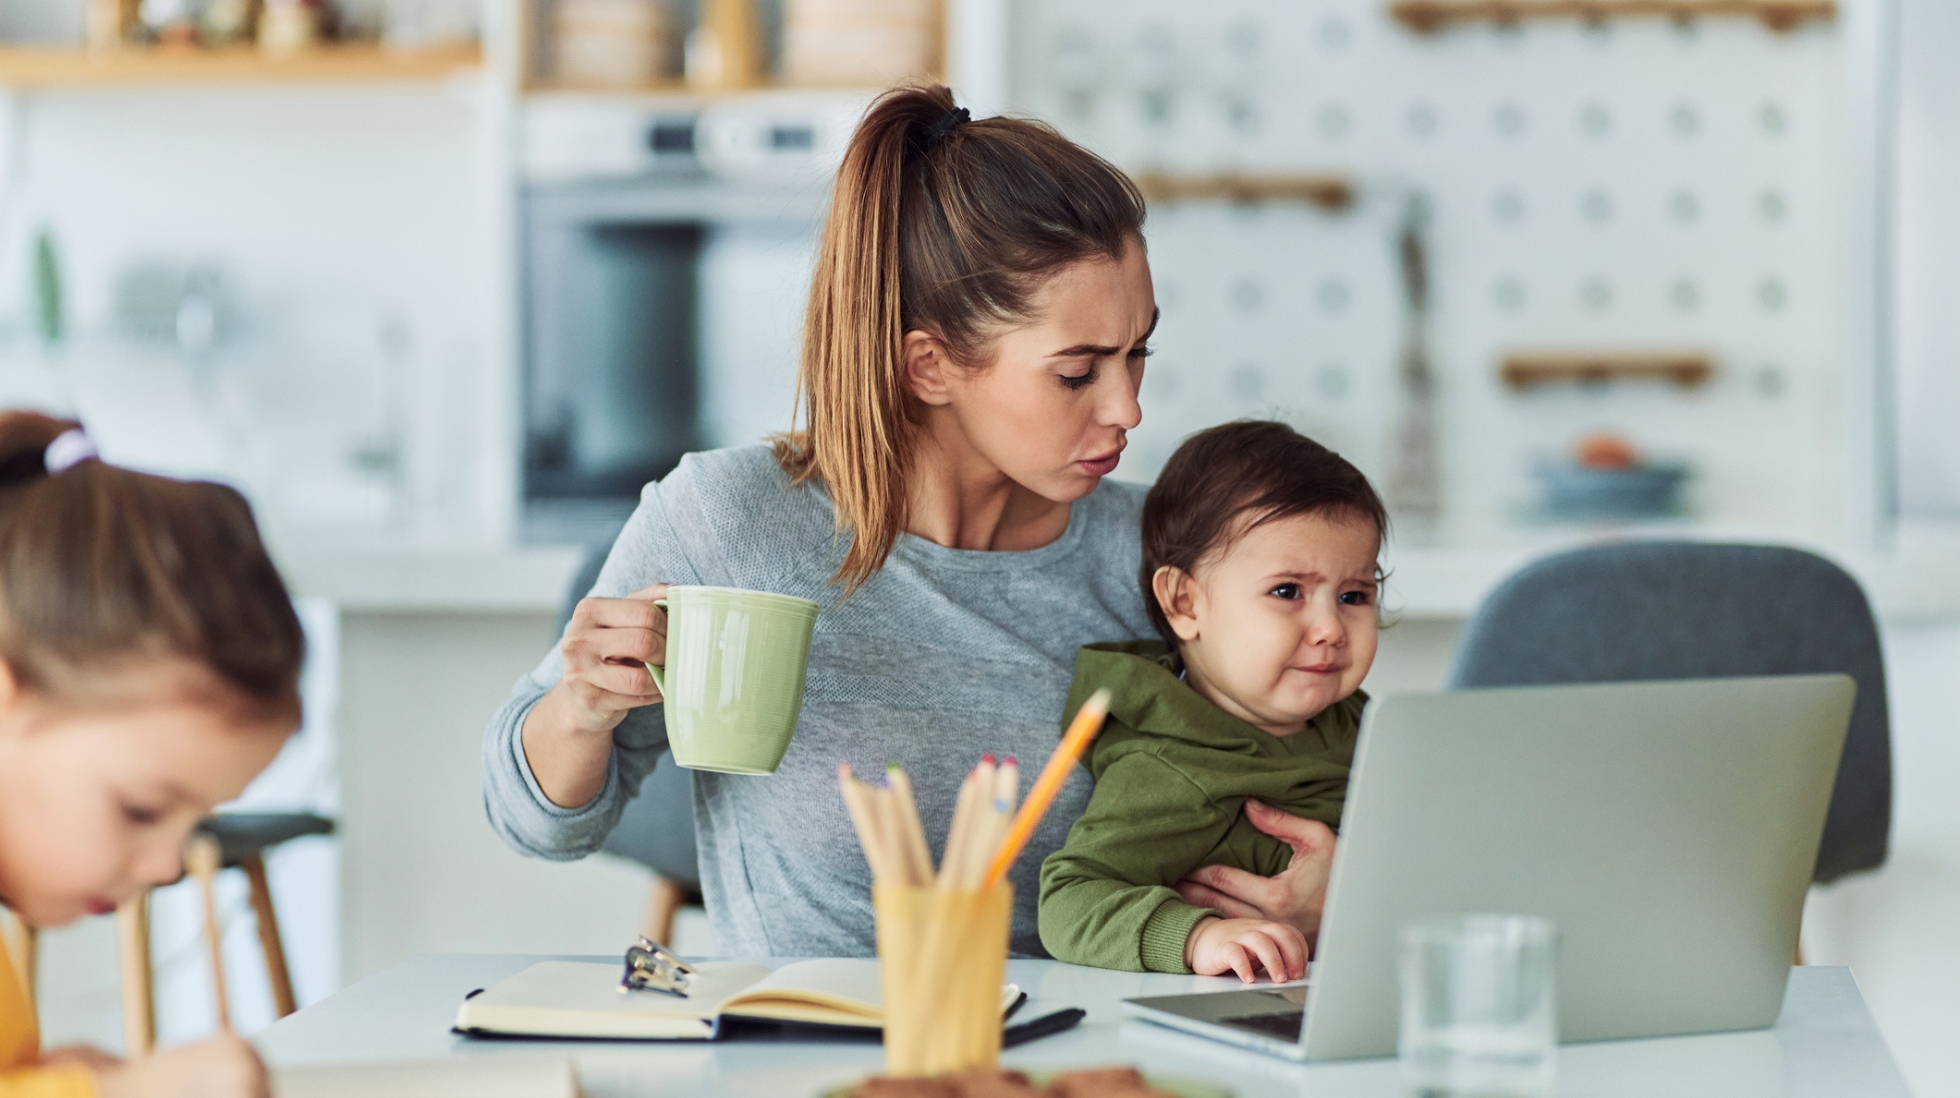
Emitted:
<point x="665" y="258"/>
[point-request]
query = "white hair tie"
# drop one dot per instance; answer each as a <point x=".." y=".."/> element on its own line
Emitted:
<point x="68" y="448"/>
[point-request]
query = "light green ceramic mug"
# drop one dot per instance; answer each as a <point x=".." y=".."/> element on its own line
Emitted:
<point x="734" y="676"/>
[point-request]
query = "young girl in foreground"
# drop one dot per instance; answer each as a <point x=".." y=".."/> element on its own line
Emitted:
<point x="1259" y="569"/>
<point x="149" y="668"/>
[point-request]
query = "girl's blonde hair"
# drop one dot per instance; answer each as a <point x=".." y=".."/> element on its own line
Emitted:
<point x="941" y="225"/>
<point x="104" y="570"/>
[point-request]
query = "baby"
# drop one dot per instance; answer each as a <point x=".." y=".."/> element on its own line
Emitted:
<point x="1260" y="570"/>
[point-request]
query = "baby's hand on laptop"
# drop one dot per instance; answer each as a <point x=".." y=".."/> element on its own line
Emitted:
<point x="1243" y="946"/>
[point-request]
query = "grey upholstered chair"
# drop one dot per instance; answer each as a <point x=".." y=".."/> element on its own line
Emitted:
<point x="1678" y="610"/>
<point x="657" y="828"/>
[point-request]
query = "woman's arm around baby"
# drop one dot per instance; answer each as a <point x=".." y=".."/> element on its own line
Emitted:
<point x="1107" y="897"/>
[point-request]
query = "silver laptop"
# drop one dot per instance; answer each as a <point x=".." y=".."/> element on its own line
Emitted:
<point x="1668" y="829"/>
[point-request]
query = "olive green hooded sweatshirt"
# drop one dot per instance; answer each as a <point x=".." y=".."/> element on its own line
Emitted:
<point x="1173" y="772"/>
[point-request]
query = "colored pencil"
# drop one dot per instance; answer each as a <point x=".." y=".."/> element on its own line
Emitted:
<point x="912" y="833"/>
<point x="957" y="837"/>
<point x="865" y="820"/>
<point x="1088" y="721"/>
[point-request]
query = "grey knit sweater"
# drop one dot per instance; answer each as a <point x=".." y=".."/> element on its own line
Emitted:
<point x="944" y="655"/>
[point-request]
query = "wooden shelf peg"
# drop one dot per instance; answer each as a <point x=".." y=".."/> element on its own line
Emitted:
<point x="1431" y="16"/>
<point x="1329" y="192"/>
<point x="1529" y="370"/>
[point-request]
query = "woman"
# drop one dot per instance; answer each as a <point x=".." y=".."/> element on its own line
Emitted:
<point x="977" y="327"/>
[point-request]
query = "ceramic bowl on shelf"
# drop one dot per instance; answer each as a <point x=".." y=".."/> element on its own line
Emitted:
<point x="1638" y="491"/>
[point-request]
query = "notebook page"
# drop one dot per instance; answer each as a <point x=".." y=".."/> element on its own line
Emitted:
<point x="837" y="990"/>
<point x="582" y="999"/>
<point x="819" y="990"/>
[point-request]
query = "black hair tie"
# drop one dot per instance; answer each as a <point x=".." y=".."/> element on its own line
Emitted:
<point x="23" y="466"/>
<point x="948" y="122"/>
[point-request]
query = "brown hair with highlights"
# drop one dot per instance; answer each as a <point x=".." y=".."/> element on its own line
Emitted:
<point x="105" y="572"/>
<point x="940" y="225"/>
<point x="1222" y="474"/>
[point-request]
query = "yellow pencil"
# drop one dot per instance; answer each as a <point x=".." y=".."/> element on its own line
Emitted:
<point x="1088" y="721"/>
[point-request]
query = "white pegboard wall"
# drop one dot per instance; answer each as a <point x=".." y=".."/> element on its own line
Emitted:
<point x="1634" y="186"/>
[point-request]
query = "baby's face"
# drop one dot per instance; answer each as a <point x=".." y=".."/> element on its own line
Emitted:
<point x="1283" y="623"/>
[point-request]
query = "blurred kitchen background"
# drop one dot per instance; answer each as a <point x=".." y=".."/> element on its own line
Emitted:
<point x="441" y="283"/>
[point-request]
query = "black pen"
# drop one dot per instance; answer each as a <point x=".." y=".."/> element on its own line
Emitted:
<point x="1036" y="1028"/>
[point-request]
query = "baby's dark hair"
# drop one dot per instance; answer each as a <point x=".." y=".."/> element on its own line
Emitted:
<point x="104" y="569"/>
<point x="1248" y="467"/>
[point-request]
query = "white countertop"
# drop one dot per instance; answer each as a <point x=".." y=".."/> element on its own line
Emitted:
<point x="1824" y="1044"/>
<point x="1917" y="579"/>
<point x="409" y="578"/>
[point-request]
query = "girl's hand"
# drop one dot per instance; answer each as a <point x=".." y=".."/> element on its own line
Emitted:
<point x="87" y="1056"/>
<point x="606" y="649"/>
<point x="222" y="1067"/>
<point x="1218" y="946"/>
<point x="1295" y="896"/>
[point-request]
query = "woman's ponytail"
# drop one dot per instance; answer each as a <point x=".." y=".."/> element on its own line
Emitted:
<point x="104" y="568"/>
<point x="936" y="224"/>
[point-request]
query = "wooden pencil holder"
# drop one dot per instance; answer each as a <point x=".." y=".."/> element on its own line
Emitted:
<point x="942" y="958"/>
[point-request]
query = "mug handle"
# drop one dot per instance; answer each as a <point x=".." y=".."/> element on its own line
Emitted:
<point x="659" y="679"/>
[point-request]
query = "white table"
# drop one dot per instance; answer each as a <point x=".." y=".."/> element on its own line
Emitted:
<point x="1823" y="1045"/>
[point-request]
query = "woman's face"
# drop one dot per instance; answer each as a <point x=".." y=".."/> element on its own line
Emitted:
<point x="1051" y="409"/>
<point x="96" y="805"/>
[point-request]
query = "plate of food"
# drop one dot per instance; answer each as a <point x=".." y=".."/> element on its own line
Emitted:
<point x="1105" y="1082"/>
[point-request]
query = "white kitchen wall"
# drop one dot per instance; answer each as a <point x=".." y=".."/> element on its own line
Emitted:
<point x="355" y="233"/>
<point x="1924" y="243"/>
<point x="1637" y="186"/>
<point x="754" y="283"/>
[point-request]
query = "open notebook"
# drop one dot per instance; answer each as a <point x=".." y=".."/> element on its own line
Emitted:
<point x="582" y="999"/>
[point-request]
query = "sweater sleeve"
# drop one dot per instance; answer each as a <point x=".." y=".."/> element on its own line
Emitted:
<point x="648" y="550"/>
<point x="52" y="1082"/>
<point x="1106" y="896"/>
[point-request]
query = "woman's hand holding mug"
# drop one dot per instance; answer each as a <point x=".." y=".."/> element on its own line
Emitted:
<point x="567" y="736"/>
<point x="606" y="649"/>
<point x="736" y="675"/>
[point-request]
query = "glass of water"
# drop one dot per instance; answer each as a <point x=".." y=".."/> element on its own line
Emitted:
<point x="1479" y="1009"/>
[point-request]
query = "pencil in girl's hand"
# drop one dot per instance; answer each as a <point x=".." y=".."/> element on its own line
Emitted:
<point x="202" y="860"/>
<point x="1088" y="721"/>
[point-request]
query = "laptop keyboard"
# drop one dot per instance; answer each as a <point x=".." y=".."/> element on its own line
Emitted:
<point x="1285" y="1026"/>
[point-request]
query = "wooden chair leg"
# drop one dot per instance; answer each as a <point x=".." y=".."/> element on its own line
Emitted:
<point x="139" y="1003"/>
<point x="30" y="960"/>
<point x="17" y="938"/>
<point x="662" y="906"/>
<point x="275" y="953"/>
